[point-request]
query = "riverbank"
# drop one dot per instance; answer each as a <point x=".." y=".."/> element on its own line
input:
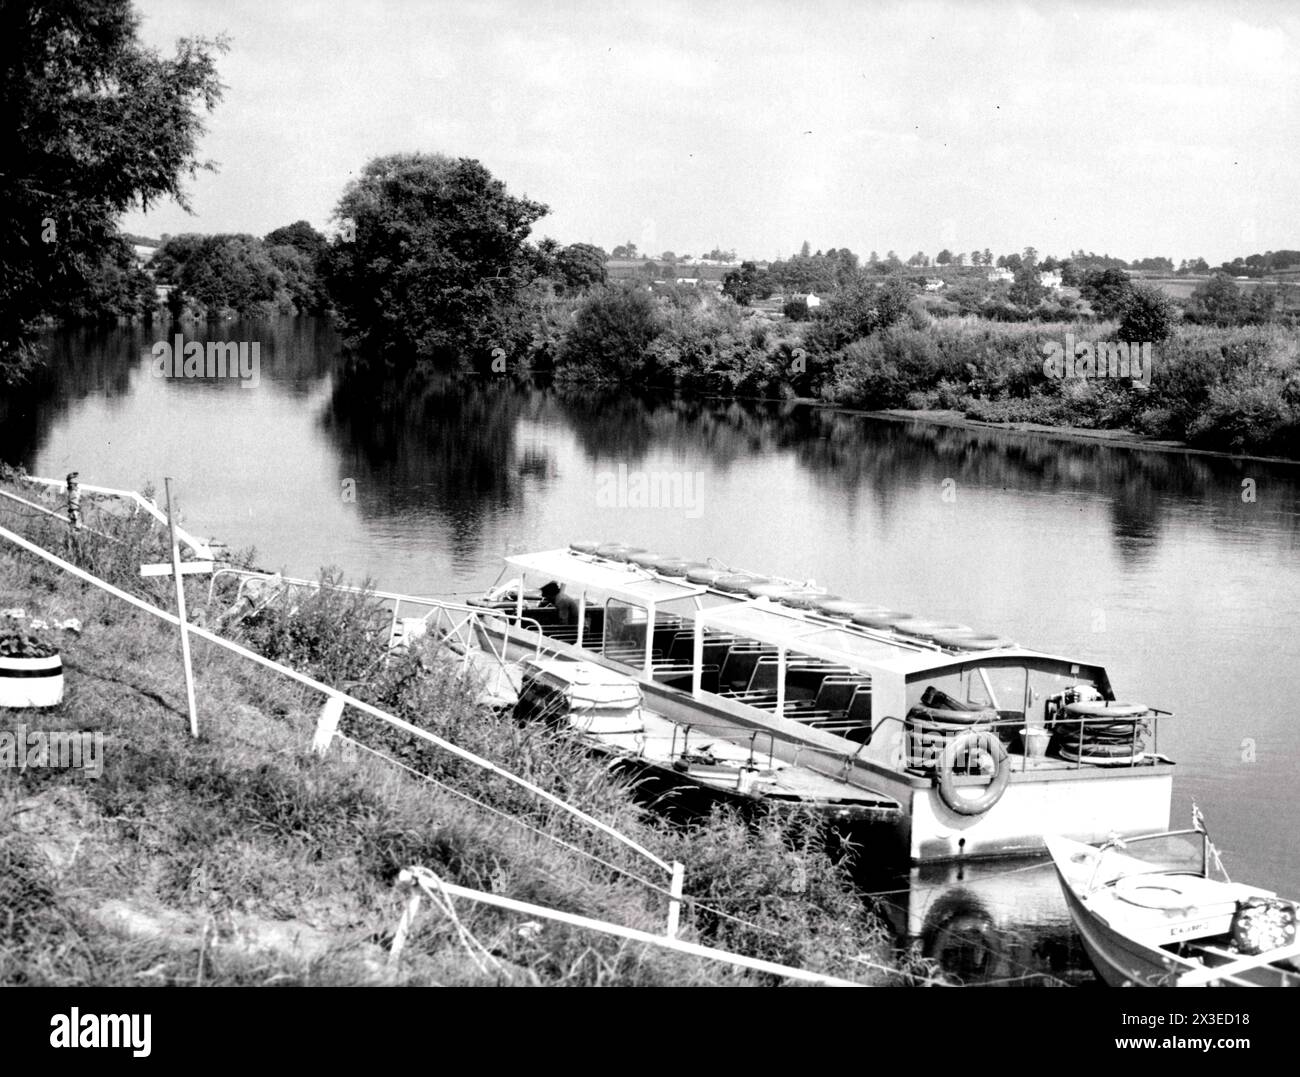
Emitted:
<point x="244" y="858"/>
<point x="1118" y="439"/>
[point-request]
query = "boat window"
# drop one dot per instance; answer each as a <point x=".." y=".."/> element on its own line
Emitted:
<point x="625" y="631"/>
<point x="1181" y="851"/>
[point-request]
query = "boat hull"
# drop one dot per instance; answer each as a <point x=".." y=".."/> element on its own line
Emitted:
<point x="1087" y="804"/>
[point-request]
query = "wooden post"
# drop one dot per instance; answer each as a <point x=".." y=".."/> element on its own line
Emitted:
<point x="180" y="612"/>
<point x="675" y="903"/>
<point x="74" y="500"/>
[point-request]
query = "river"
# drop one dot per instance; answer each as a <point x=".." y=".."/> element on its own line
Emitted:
<point x="1178" y="572"/>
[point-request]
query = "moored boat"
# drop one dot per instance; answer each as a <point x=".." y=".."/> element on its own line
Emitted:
<point x="985" y="745"/>
<point x="1149" y="914"/>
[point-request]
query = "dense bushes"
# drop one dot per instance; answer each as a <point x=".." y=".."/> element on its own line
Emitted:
<point x="1228" y="389"/>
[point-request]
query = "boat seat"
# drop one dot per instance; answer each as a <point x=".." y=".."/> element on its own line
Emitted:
<point x="738" y="668"/>
<point x="683" y="676"/>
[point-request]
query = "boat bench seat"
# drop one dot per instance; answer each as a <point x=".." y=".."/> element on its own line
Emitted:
<point x="677" y="675"/>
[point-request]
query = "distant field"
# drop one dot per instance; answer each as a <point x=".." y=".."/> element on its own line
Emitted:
<point x="629" y="269"/>
<point x="1182" y="287"/>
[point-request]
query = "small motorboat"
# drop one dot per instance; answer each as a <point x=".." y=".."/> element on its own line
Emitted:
<point x="1150" y="914"/>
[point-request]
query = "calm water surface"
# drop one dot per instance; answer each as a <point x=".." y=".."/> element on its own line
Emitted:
<point x="1151" y="563"/>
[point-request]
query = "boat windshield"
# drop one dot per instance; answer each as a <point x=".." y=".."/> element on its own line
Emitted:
<point x="1181" y="851"/>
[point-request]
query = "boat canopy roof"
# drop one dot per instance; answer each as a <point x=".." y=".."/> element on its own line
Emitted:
<point x="613" y="578"/>
<point x="767" y="622"/>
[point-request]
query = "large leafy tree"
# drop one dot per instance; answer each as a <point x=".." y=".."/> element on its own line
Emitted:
<point x="431" y="261"/>
<point x="92" y="124"/>
<point x="224" y="273"/>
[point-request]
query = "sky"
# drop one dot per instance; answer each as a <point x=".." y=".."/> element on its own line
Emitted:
<point x="1136" y="130"/>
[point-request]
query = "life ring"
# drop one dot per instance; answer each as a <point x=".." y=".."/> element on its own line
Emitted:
<point x="879" y="617"/>
<point x="806" y="600"/>
<point x="705" y="575"/>
<point x="944" y="716"/>
<point x="584" y="547"/>
<point x="970" y="641"/>
<point x="677" y="567"/>
<point x="648" y="559"/>
<point x="985" y="743"/>
<point x="841" y="608"/>
<point x="923" y="629"/>
<point x="736" y="582"/>
<point x="1106" y="709"/>
<point x="771" y="591"/>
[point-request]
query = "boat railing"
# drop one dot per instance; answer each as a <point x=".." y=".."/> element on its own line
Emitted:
<point x="727" y="733"/>
<point x="1138" y="756"/>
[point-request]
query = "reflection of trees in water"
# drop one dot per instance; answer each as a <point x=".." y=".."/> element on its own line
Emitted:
<point x="626" y="427"/>
<point x="434" y="444"/>
<point x="79" y="362"/>
<point x="103" y="361"/>
<point x="857" y="456"/>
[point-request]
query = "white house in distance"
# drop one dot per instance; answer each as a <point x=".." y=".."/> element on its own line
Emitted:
<point x="933" y="284"/>
<point x="1050" y="279"/>
<point x="998" y="273"/>
<point x="812" y="299"/>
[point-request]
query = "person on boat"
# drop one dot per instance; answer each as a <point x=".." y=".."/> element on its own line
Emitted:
<point x="566" y="605"/>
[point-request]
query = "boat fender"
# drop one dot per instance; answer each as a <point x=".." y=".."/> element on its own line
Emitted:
<point x="981" y="743"/>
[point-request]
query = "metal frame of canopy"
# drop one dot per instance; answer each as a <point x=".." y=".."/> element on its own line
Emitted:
<point x="889" y="660"/>
<point x="625" y="582"/>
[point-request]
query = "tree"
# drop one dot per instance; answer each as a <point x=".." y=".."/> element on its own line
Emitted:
<point x="625" y="250"/>
<point x="1105" y="290"/>
<point x="747" y="283"/>
<point x="943" y="257"/>
<point x="225" y="273"/>
<point x="298" y="250"/>
<point x="301" y="236"/>
<point x="436" y="262"/>
<point x="93" y="125"/>
<point x="1145" y="314"/>
<point x="1218" y="300"/>
<point x="609" y="337"/>
<point x="1027" y="290"/>
<point x="806" y="250"/>
<point x="858" y="312"/>
<point x="580" y="266"/>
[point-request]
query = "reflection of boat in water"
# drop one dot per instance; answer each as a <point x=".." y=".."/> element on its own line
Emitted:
<point x="1150" y="914"/>
<point x="982" y="922"/>
<point x="984" y="744"/>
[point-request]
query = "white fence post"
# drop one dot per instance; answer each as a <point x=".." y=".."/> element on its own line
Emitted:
<point x="404" y="878"/>
<point x="327" y="724"/>
<point x="675" y="902"/>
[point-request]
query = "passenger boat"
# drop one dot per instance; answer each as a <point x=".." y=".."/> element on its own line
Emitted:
<point x="984" y="744"/>
<point x="1150" y="915"/>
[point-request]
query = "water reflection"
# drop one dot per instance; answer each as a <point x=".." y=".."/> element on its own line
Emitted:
<point x="987" y="923"/>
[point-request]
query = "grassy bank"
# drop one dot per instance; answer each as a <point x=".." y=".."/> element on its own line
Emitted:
<point x="243" y="858"/>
